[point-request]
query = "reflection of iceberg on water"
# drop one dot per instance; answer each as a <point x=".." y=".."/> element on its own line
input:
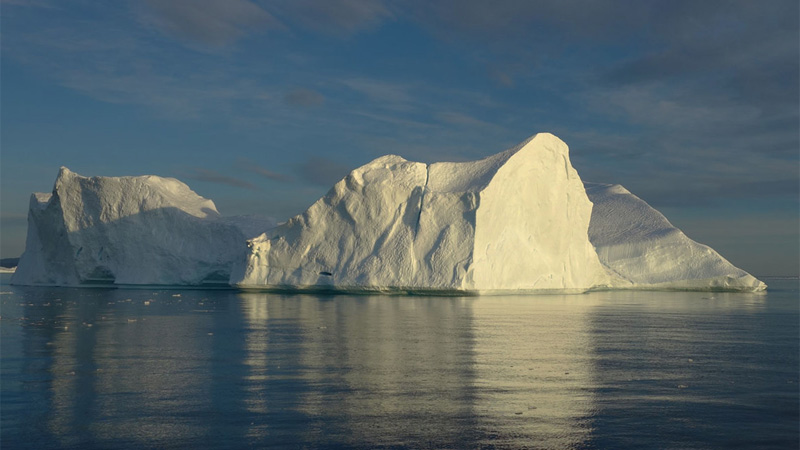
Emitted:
<point x="518" y="221"/>
<point x="439" y="372"/>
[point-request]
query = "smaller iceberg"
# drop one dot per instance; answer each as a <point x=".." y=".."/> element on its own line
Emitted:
<point x="640" y="246"/>
<point x="128" y="230"/>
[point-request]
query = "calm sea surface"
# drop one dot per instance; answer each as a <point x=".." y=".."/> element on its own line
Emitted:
<point x="145" y="368"/>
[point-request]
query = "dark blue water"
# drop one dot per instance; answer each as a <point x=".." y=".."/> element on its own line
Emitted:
<point x="96" y="368"/>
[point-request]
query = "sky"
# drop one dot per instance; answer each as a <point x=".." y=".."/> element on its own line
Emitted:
<point x="262" y="105"/>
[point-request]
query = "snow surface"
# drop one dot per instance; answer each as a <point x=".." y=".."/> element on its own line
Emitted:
<point x="128" y="230"/>
<point x="646" y="251"/>
<point x="515" y="221"/>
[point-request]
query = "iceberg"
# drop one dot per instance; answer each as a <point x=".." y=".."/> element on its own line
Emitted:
<point x="515" y="221"/>
<point x="518" y="221"/>
<point x="128" y="230"/>
<point x="640" y="246"/>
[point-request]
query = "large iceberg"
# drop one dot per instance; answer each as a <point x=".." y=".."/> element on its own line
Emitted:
<point x="519" y="221"/>
<point x="646" y="251"/>
<point x="515" y="221"/>
<point x="128" y="230"/>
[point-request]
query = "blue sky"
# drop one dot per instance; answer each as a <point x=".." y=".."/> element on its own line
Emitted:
<point x="262" y="105"/>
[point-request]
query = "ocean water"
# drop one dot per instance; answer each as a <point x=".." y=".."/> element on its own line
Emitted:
<point x="147" y="368"/>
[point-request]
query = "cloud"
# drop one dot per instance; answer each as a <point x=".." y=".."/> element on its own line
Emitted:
<point x="220" y="22"/>
<point x="671" y="107"/>
<point x="700" y="193"/>
<point x="335" y="17"/>
<point x="211" y="22"/>
<point x="119" y="62"/>
<point x="30" y="3"/>
<point x="304" y="98"/>
<point x="460" y="119"/>
<point x="502" y="77"/>
<point x="211" y="176"/>
<point x="742" y="51"/>
<point x="394" y="121"/>
<point x="551" y="21"/>
<point x="250" y="166"/>
<point x="397" y="95"/>
<point x="703" y="82"/>
<point x="322" y="171"/>
<point x="713" y="96"/>
<point x="14" y="220"/>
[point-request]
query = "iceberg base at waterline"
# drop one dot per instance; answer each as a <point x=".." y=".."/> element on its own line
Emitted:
<point x="520" y="221"/>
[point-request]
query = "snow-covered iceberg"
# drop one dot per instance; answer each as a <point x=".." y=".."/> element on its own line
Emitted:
<point x="515" y="221"/>
<point x="128" y="230"/>
<point x="646" y="251"/>
<point x="519" y="221"/>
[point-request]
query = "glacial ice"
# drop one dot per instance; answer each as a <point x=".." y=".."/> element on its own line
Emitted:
<point x="515" y="221"/>
<point x="128" y="230"/>
<point x="646" y="251"/>
<point x="519" y="221"/>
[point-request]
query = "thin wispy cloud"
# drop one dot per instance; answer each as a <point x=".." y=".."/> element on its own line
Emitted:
<point x="500" y="21"/>
<point x="303" y="97"/>
<point x="385" y="92"/>
<point x="502" y="77"/>
<point x="211" y="22"/>
<point x="705" y="193"/>
<point x="14" y="220"/>
<point x="212" y="176"/>
<point x="334" y="17"/>
<point x="29" y="3"/>
<point x="250" y="166"/>
<point x="218" y="23"/>
<point x="461" y="119"/>
<point x="322" y="171"/>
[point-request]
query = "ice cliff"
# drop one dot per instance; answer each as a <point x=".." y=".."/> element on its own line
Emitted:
<point x="646" y="251"/>
<point x="515" y="221"/>
<point x="519" y="221"/>
<point x="128" y="230"/>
